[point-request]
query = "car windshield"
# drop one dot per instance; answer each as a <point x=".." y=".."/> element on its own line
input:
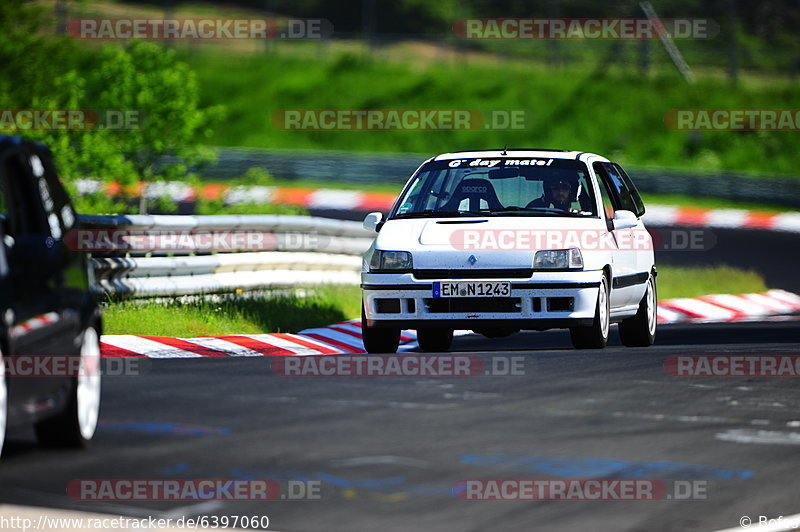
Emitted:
<point x="499" y="187"/>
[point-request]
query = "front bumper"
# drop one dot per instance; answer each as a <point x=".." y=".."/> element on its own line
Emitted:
<point x="543" y="301"/>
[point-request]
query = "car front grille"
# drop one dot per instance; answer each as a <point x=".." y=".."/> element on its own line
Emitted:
<point x="493" y="273"/>
<point x="440" y="305"/>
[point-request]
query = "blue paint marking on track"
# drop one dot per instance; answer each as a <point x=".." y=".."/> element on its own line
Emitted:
<point x="371" y="483"/>
<point x="152" y="427"/>
<point x="182" y="467"/>
<point x="559" y="466"/>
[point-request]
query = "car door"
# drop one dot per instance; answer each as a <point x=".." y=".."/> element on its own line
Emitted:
<point x="623" y="259"/>
<point x="634" y="258"/>
<point x="632" y="201"/>
<point x="35" y="319"/>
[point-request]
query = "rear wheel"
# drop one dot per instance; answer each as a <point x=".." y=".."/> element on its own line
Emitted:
<point x="595" y="336"/>
<point x="75" y="426"/>
<point x="379" y="340"/>
<point x="435" y="339"/>
<point x="640" y="330"/>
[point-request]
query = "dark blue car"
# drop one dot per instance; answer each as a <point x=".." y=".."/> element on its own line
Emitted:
<point x="50" y="322"/>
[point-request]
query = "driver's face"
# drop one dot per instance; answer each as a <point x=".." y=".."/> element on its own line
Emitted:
<point x="560" y="192"/>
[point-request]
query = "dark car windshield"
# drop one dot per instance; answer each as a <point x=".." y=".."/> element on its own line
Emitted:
<point x="502" y="186"/>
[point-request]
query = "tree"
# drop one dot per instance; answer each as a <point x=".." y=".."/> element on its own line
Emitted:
<point x="142" y="79"/>
<point x="163" y="95"/>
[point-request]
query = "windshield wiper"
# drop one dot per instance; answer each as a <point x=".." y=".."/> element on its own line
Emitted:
<point x="431" y="213"/>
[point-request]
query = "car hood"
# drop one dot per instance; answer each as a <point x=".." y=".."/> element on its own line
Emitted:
<point x="494" y="242"/>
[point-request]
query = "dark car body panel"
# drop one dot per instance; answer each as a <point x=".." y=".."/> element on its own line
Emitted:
<point x="45" y="300"/>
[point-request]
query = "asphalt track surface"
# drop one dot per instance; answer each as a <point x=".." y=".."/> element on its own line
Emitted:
<point x="387" y="451"/>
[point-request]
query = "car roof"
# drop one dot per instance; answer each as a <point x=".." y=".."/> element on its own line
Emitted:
<point x="14" y="140"/>
<point x="549" y="153"/>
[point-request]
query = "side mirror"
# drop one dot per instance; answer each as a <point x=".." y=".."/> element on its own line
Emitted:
<point x="372" y="221"/>
<point x="625" y="220"/>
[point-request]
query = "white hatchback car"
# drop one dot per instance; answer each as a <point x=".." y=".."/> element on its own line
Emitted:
<point x="502" y="241"/>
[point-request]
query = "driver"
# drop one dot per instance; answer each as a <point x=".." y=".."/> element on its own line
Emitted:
<point x="557" y="194"/>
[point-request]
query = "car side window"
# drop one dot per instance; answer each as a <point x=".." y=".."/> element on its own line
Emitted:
<point x="25" y="210"/>
<point x="605" y="193"/>
<point x="622" y="189"/>
<point x="636" y="199"/>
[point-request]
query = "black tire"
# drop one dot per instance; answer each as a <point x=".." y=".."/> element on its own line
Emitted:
<point x="379" y="340"/>
<point x="435" y="339"/>
<point x="640" y="330"/>
<point x="595" y="336"/>
<point x="76" y="424"/>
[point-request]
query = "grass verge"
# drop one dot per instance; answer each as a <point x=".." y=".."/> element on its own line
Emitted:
<point x="676" y="281"/>
<point x="558" y="105"/>
<point x="315" y="307"/>
<point x="328" y="304"/>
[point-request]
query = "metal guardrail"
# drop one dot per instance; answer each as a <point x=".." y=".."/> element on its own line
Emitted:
<point x="327" y="251"/>
<point x="231" y="222"/>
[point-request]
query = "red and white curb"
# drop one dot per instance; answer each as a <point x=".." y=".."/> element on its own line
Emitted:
<point x="336" y="199"/>
<point x="338" y="339"/>
<point x="666" y="215"/>
<point x="345" y="337"/>
<point x="728" y="307"/>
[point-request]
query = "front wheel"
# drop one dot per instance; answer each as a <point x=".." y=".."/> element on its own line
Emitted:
<point x="75" y="426"/>
<point x="435" y="339"/>
<point x="595" y="336"/>
<point x="379" y="340"/>
<point x="640" y="330"/>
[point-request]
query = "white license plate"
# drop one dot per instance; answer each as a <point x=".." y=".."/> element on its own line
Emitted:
<point x="472" y="289"/>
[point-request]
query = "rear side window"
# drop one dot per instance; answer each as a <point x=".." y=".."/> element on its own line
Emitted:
<point x="623" y="193"/>
<point x="22" y="197"/>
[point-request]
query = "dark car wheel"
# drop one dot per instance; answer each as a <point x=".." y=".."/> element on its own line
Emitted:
<point x="379" y="340"/>
<point x="75" y="426"/>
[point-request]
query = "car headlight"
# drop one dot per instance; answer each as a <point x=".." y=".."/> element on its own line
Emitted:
<point x="391" y="260"/>
<point x="558" y="259"/>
